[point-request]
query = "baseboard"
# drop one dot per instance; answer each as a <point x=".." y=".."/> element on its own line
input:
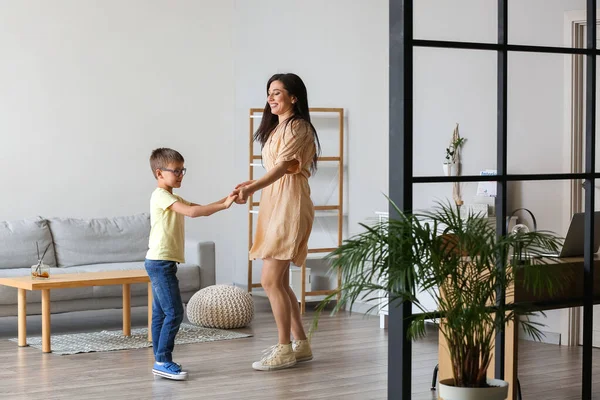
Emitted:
<point x="547" y="337"/>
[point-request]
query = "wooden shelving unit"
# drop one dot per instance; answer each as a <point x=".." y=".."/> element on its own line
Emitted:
<point x="256" y="113"/>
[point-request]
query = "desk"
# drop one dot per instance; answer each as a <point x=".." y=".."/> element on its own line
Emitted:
<point x="571" y="295"/>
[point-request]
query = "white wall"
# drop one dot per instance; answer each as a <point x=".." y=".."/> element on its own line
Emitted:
<point x="460" y="86"/>
<point x="340" y="50"/>
<point x="88" y="89"/>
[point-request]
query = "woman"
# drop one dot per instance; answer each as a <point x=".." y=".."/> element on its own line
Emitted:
<point x="290" y="148"/>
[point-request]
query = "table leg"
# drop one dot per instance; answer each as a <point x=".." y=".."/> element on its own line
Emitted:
<point x="46" y="321"/>
<point x="126" y="309"/>
<point x="150" y="299"/>
<point x="22" y="317"/>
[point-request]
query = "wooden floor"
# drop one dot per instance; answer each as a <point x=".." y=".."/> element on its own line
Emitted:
<point x="350" y="363"/>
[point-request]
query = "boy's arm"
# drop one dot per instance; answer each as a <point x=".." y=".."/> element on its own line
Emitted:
<point x="219" y="201"/>
<point x="216" y="202"/>
<point x="197" y="210"/>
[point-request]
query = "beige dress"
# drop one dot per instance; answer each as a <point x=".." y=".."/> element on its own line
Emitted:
<point x="286" y="212"/>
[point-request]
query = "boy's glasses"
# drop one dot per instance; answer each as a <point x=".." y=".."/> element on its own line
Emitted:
<point x="176" y="172"/>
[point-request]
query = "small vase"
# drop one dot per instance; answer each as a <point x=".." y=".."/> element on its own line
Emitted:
<point x="450" y="169"/>
<point x="40" y="271"/>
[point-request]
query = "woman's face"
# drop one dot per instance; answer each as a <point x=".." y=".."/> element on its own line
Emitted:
<point x="279" y="99"/>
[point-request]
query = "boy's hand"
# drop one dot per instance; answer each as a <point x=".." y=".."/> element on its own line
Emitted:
<point x="229" y="200"/>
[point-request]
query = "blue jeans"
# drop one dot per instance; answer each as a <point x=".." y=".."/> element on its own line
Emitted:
<point x="167" y="307"/>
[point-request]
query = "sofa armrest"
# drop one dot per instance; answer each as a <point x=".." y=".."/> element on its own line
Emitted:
<point x="203" y="254"/>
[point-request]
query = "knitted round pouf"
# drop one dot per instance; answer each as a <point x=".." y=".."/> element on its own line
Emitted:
<point x="221" y="306"/>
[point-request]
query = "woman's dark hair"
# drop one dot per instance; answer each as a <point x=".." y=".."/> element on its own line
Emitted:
<point x="295" y="87"/>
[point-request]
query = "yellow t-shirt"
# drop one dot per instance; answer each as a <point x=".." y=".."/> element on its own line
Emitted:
<point x="167" y="228"/>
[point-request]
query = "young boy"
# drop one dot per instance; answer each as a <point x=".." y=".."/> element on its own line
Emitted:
<point x="166" y="250"/>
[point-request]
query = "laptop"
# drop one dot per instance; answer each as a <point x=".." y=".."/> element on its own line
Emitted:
<point x="573" y="244"/>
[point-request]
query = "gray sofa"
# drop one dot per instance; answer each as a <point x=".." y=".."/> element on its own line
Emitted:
<point x="87" y="245"/>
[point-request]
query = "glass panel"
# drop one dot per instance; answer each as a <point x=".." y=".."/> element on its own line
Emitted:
<point x="428" y="196"/>
<point x="459" y="20"/>
<point x="538" y="140"/>
<point x="575" y="117"/>
<point x="559" y="325"/>
<point x="454" y="86"/>
<point x="424" y="364"/>
<point x="545" y="200"/>
<point x="541" y="22"/>
<point x="537" y="378"/>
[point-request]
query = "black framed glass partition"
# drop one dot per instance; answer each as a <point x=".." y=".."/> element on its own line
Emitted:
<point x="404" y="175"/>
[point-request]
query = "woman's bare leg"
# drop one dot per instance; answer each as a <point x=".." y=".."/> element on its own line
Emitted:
<point x="271" y="279"/>
<point x="297" y="327"/>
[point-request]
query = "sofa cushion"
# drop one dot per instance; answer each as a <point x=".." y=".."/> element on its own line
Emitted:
<point x="17" y="243"/>
<point x="188" y="275"/>
<point x="100" y="240"/>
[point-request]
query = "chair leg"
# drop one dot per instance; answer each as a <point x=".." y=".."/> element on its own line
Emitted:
<point x="434" y="378"/>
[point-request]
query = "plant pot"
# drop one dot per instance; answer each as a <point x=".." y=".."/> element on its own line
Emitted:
<point x="498" y="390"/>
<point x="450" y="169"/>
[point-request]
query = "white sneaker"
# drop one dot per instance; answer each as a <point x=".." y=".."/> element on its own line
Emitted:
<point x="302" y="350"/>
<point x="276" y="357"/>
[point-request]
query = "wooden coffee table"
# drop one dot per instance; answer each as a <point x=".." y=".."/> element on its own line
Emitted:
<point x="62" y="281"/>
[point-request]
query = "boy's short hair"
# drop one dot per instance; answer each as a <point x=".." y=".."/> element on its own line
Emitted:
<point x="161" y="157"/>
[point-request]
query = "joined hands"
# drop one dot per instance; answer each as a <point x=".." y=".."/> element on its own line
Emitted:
<point x="242" y="192"/>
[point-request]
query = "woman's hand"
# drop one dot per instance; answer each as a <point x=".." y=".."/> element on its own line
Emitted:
<point x="245" y="183"/>
<point x="244" y="193"/>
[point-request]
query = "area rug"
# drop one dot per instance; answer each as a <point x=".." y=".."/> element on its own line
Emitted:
<point x="114" y="340"/>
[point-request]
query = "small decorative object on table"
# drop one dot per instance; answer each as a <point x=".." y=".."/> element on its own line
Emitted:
<point x="40" y="270"/>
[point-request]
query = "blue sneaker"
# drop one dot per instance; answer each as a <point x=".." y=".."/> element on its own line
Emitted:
<point x="169" y="370"/>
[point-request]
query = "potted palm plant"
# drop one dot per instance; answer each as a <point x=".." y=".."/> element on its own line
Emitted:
<point x="461" y="262"/>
